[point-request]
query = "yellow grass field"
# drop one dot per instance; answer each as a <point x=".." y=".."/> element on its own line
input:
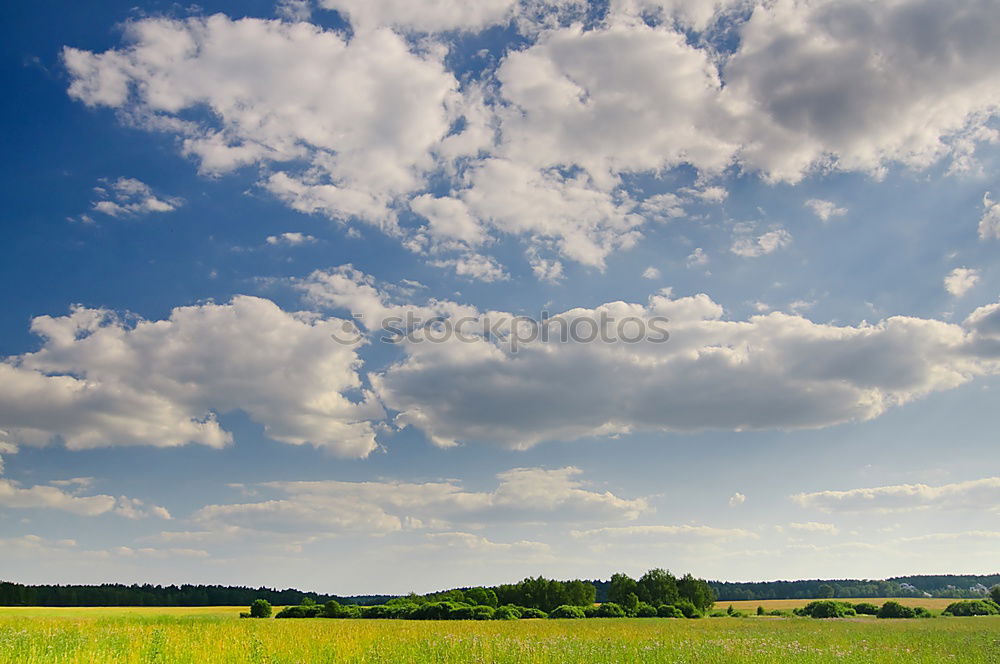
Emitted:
<point x="214" y="635"/>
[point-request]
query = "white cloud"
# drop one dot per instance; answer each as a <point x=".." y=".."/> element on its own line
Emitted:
<point x="475" y="266"/>
<point x="329" y="508"/>
<point x="469" y="542"/>
<point x="128" y="197"/>
<point x="367" y="131"/>
<point x="293" y="239"/>
<point x="546" y="143"/>
<point x="760" y="245"/>
<point x="989" y="223"/>
<point x="859" y="85"/>
<point x="737" y="499"/>
<point x="101" y="380"/>
<point x="294" y="10"/>
<point x="815" y="527"/>
<point x="977" y="495"/>
<point x="825" y="210"/>
<point x="424" y="15"/>
<point x="774" y="371"/>
<point x="697" y="258"/>
<point x="40" y="496"/>
<point x="651" y="273"/>
<point x="666" y="532"/>
<point x="961" y="280"/>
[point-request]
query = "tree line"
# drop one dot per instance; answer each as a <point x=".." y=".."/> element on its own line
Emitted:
<point x="657" y="593"/>
<point x="110" y="594"/>
<point x="955" y="586"/>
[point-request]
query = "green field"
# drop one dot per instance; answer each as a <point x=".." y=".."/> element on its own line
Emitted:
<point x="206" y="635"/>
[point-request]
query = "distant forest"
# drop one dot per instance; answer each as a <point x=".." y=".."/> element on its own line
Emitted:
<point x="16" y="594"/>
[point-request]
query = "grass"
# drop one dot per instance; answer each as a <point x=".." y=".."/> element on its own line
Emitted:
<point x="213" y="635"/>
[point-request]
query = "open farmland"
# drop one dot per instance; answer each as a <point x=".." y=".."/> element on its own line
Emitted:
<point x="104" y="636"/>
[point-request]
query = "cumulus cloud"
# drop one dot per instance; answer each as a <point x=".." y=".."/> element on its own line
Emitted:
<point x="102" y="380"/>
<point x="541" y="148"/>
<point x="825" y="210"/>
<point x="367" y="131"/>
<point x="41" y="496"/>
<point x="774" y="371"/>
<point x="737" y="499"/>
<point x="961" y="280"/>
<point x="651" y="273"/>
<point x="332" y="507"/>
<point x="989" y="223"/>
<point x="128" y="197"/>
<point x="760" y="245"/>
<point x="423" y="15"/>
<point x="293" y="239"/>
<point x="981" y="494"/>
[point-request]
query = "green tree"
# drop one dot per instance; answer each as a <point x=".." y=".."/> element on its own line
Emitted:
<point x="995" y="594"/>
<point x="260" y="608"/>
<point x="658" y="586"/>
<point x="621" y="586"/>
<point x="825" y="591"/>
<point x="481" y="597"/>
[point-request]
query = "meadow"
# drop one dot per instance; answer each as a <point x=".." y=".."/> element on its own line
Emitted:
<point x="209" y="635"/>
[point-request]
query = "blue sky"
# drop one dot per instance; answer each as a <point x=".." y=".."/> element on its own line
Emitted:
<point x="196" y="199"/>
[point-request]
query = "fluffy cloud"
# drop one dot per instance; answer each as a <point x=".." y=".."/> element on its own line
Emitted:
<point x="961" y="280"/>
<point x="980" y="495"/>
<point x="859" y="85"/>
<point x="651" y="273"/>
<point x="989" y="224"/>
<point x="377" y="508"/>
<point x="749" y="246"/>
<point x="293" y="239"/>
<point x="737" y="499"/>
<point x="825" y="210"/>
<point x="542" y="146"/>
<point x="367" y="130"/>
<point x="774" y="371"/>
<point x="101" y="380"/>
<point x="13" y="496"/>
<point x="423" y="15"/>
<point x="128" y="197"/>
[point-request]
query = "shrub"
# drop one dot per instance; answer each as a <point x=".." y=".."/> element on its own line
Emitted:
<point x="506" y="613"/>
<point x="669" y="611"/>
<point x="995" y="594"/>
<point x="436" y="610"/>
<point x="645" y="610"/>
<point x="301" y="611"/>
<point x="483" y="612"/>
<point x="533" y="613"/>
<point x="460" y="612"/>
<point x="866" y="608"/>
<point x="688" y="609"/>
<point x="975" y="607"/>
<point x="760" y="610"/>
<point x="591" y="611"/>
<point x="260" y="608"/>
<point x="895" y="610"/>
<point x="922" y="612"/>
<point x="826" y="608"/>
<point x="244" y="614"/>
<point x="567" y="611"/>
<point x="610" y="610"/>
